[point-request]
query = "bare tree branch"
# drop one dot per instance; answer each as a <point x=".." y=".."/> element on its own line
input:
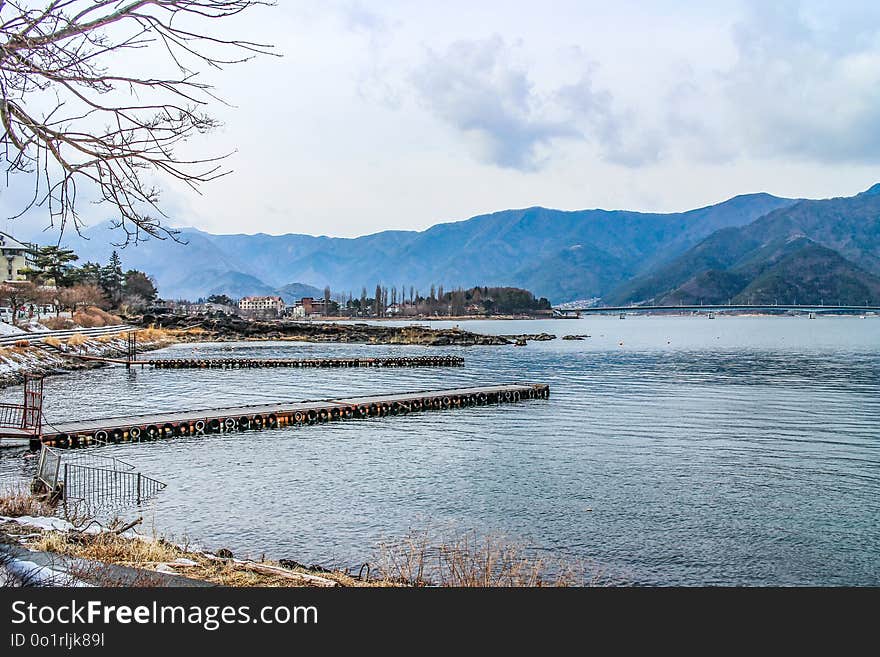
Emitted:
<point x="67" y="119"/>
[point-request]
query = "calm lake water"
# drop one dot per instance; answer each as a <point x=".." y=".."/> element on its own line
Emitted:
<point x="673" y="450"/>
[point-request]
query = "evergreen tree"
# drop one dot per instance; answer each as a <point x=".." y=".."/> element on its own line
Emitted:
<point x="112" y="278"/>
<point x="139" y="285"/>
<point x="54" y="263"/>
<point x="88" y="274"/>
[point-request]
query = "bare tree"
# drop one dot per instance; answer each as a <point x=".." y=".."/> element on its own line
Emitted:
<point x="69" y="118"/>
<point x="16" y="295"/>
<point x="82" y="295"/>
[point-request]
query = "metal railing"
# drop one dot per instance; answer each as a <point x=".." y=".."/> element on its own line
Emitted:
<point x="97" y="481"/>
<point x="12" y="416"/>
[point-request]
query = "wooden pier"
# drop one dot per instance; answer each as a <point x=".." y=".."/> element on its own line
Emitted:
<point x="245" y="363"/>
<point x="269" y="416"/>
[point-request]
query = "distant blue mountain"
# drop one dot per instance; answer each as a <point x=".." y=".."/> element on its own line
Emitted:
<point x="557" y="254"/>
<point x="812" y="251"/>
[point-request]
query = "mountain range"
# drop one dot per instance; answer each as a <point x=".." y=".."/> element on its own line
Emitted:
<point x="754" y="246"/>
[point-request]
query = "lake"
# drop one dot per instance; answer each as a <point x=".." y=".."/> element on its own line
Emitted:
<point x="672" y="451"/>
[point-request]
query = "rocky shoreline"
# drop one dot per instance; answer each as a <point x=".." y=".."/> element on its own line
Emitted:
<point x="221" y="329"/>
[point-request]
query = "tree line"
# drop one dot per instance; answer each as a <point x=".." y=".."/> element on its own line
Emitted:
<point x="55" y="281"/>
<point x="408" y="301"/>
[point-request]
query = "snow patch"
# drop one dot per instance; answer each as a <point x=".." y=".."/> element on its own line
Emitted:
<point x="9" y="329"/>
<point x="36" y="575"/>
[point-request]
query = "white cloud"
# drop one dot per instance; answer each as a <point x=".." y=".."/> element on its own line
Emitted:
<point x="477" y="88"/>
<point x="805" y="86"/>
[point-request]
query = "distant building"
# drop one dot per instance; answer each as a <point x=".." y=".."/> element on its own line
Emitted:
<point x="160" y="307"/>
<point x="206" y="308"/>
<point x="296" y="311"/>
<point x="307" y="307"/>
<point x="265" y="306"/>
<point x="15" y="258"/>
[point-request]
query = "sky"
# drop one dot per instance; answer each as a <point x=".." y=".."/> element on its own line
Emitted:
<point x="401" y="115"/>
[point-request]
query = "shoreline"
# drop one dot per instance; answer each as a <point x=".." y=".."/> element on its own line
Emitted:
<point x="60" y="357"/>
<point x="51" y="551"/>
<point x="213" y="329"/>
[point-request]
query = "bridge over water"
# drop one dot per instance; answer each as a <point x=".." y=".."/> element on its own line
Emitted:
<point x="805" y="308"/>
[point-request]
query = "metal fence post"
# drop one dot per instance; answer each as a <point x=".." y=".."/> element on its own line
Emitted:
<point x="42" y="462"/>
<point x="139" y="489"/>
<point x="65" y="482"/>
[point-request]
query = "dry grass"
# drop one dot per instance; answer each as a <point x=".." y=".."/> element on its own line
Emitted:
<point x="469" y="560"/>
<point x="21" y="344"/>
<point x="93" y="317"/>
<point x="110" y="548"/>
<point x="52" y="341"/>
<point x="77" y="340"/>
<point x="153" y="335"/>
<point x="148" y="554"/>
<point x="19" y="501"/>
<point x="58" y="323"/>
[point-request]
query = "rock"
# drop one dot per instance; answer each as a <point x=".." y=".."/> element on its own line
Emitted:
<point x="574" y="337"/>
<point x="226" y="328"/>
<point x="290" y="564"/>
<point x="538" y="337"/>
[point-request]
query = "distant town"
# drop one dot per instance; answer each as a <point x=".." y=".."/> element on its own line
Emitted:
<point x="477" y="301"/>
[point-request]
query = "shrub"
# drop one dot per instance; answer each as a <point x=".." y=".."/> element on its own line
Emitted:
<point x="469" y="560"/>
<point x="17" y="501"/>
<point x="58" y="323"/>
<point x="76" y="340"/>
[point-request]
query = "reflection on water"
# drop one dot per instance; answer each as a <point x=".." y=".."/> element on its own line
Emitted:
<point x="672" y="450"/>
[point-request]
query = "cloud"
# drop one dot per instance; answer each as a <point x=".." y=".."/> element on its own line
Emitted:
<point x="359" y="18"/>
<point x="618" y="133"/>
<point x="476" y="88"/>
<point x="804" y="86"/>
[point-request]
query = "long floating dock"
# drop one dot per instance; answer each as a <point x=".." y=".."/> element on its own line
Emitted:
<point x="242" y="363"/>
<point x="282" y="414"/>
<point x="230" y="363"/>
